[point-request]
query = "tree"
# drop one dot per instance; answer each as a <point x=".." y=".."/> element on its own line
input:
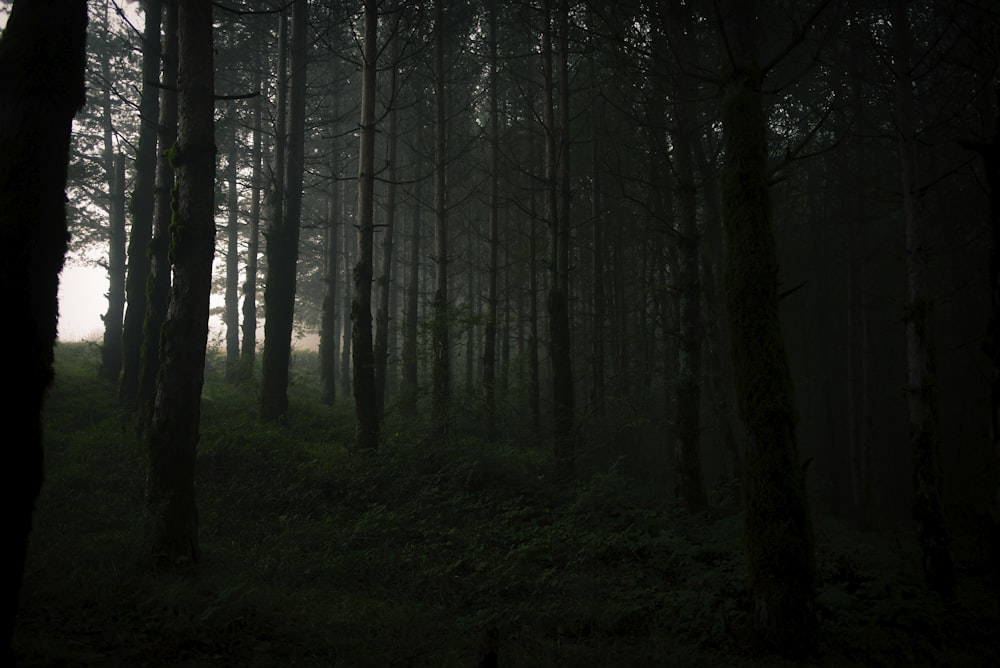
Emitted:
<point x="777" y="523"/>
<point x="172" y="438"/>
<point x="365" y="396"/>
<point x="489" y="348"/>
<point x="158" y="283"/>
<point x="143" y="202"/>
<point x="441" y="382"/>
<point x="921" y="376"/>
<point x="111" y="348"/>
<point x="283" y="235"/>
<point x="42" y="63"/>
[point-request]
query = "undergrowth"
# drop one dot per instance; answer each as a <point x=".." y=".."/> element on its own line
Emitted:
<point x="314" y="555"/>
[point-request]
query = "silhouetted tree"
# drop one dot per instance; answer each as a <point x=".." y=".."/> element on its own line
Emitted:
<point x="42" y="61"/>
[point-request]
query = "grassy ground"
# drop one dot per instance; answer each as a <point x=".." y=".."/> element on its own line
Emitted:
<point x="313" y="556"/>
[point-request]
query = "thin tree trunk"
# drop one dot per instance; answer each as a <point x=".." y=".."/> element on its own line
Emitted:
<point x="232" y="302"/>
<point x="557" y="212"/>
<point x="111" y="349"/>
<point x="143" y="201"/>
<point x="158" y="286"/>
<point x="441" y="370"/>
<point x="172" y="438"/>
<point x="921" y="376"/>
<point x="283" y="236"/>
<point x="489" y="346"/>
<point x="385" y="283"/>
<point x="39" y="46"/>
<point x="778" y="526"/>
<point x="365" y="392"/>
<point x="329" y="332"/>
<point x="688" y="388"/>
<point x="409" y="389"/>
<point x="248" y="352"/>
<point x="345" y="353"/>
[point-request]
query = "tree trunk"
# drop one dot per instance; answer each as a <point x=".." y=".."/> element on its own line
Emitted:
<point x="283" y="237"/>
<point x="921" y="375"/>
<point x="232" y="299"/>
<point x="345" y="353"/>
<point x="158" y="285"/>
<point x="365" y="393"/>
<point x="111" y="349"/>
<point x="489" y="346"/>
<point x="778" y="526"/>
<point x="329" y="332"/>
<point x="172" y="438"/>
<point x="441" y="371"/>
<point x="40" y="45"/>
<point x="143" y="201"/>
<point x="557" y="212"/>
<point x="385" y="280"/>
<point x="688" y="387"/>
<point x="248" y="352"/>
<point x="409" y="389"/>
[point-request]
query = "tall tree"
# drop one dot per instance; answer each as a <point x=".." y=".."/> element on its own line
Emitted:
<point x="365" y="399"/>
<point x="385" y="282"/>
<point x="158" y="283"/>
<point x="489" y="348"/>
<point x="688" y="385"/>
<point x="172" y="438"/>
<point x="558" y="214"/>
<point x="42" y="63"/>
<point x="283" y="236"/>
<point x="921" y="368"/>
<point x="441" y="370"/>
<point x="111" y="348"/>
<point x="143" y="201"/>
<point x="248" y="347"/>
<point x="778" y="527"/>
<point x="232" y="305"/>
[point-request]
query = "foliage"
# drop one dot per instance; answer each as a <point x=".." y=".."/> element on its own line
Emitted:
<point x="315" y="556"/>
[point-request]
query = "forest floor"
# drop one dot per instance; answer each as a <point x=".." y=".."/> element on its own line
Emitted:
<point x="425" y="553"/>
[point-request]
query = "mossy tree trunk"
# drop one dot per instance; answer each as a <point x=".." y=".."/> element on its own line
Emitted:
<point x="921" y="374"/>
<point x="143" y="201"/>
<point x="42" y="61"/>
<point x="172" y="438"/>
<point x="365" y="399"/>
<point x="777" y="525"/>
<point x="158" y="282"/>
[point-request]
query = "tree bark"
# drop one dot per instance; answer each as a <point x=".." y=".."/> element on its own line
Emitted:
<point x="143" y="201"/>
<point x="283" y="236"/>
<point x="441" y="370"/>
<point x="111" y="348"/>
<point x="172" y="438"/>
<point x="385" y="286"/>
<point x="778" y="526"/>
<point x="489" y="346"/>
<point x="232" y="302"/>
<point x="42" y="63"/>
<point x="248" y="349"/>
<point x="329" y="333"/>
<point x="158" y="284"/>
<point x="365" y="394"/>
<point x="921" y="368"/>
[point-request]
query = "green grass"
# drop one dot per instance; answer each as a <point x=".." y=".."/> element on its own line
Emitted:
<point x="316" y="556"/>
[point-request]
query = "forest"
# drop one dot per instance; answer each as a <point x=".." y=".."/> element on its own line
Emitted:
<point x="503" y="333"/>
